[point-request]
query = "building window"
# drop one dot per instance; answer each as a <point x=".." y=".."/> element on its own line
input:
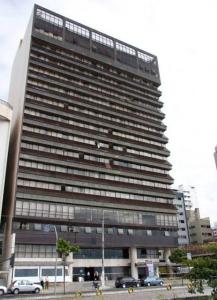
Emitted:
<point x="110" y="230"/>
<point x="26" y="272"/>
<point x="88" y="229"/>
<point x="120" y="231"/>
<point x="50" y="272"/>
<point x="130" y="231"/>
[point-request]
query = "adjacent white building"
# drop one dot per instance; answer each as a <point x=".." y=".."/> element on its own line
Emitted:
<point x="190" y="197"/>
<point x="183" y="232"/>
<point x="5" y="122"/>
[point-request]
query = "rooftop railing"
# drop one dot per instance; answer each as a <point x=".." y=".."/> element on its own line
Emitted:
<point x="78" y="35"/>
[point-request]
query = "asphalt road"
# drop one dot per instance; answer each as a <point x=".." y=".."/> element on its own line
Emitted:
<point x="156" y="293"/>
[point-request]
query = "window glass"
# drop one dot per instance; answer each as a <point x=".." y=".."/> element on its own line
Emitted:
<point x="51" y="272"/>
<point x="26" y="272"/>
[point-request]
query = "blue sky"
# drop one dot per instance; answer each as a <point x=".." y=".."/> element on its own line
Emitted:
<point x="183" y="35"/>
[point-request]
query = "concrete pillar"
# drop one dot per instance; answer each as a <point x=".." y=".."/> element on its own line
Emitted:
<point x="167" y="253"/>
<point x="69" y="262"/>
<point x="133" y="260"/>
<point x="157" y="271"/>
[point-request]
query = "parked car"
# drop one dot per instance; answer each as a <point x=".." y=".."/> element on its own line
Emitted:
<point x="24" y="286"/>
<point x="125" y="282"/>
<point x="152" y="280"/>
<point x="3" y="290"/>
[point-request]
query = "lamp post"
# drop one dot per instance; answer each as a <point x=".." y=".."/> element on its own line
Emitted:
<point x="55" y="283"/>
<point x="103" y="249"/>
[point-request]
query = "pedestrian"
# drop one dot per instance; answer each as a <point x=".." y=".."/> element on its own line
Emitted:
<point x="96" y="275"/>
<point x="46" y="283"/>
<point x="88" y="276"/>
<point x="42" y="283"/>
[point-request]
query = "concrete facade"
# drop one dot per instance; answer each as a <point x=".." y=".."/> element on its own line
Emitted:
<point x="88" y="144"/>
<point x="5" y="125"/>
<point x="190" y="197"/>
<point x="183" y="232"/>
<point x="199" y="228"/>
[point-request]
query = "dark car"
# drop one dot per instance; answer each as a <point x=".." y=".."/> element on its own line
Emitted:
<point x="125" y="282"/>
<point x="152" y="280"/>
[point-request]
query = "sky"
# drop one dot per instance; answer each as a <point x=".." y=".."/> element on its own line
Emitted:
<point x="183" y="35"/>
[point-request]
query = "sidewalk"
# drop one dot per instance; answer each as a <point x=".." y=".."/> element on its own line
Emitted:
<point x="87" y="286"/>
<point x="87" y="290"/>
<point x="88" y="293"/>
<point x="73" y="287"/>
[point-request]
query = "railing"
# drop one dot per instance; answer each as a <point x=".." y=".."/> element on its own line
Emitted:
<point x="66" y="30"/>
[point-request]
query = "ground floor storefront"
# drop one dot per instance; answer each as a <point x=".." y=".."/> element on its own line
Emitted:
<point x="87" y="264"/>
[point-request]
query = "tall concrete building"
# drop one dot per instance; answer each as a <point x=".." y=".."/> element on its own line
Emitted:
<point x="183" y="232"/>
<point x="88" y="149"/>
<point x="5" y="125"/>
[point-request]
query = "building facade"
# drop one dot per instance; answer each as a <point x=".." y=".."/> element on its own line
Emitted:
<point x="199" y="228"/>
<point x="5" y="125"/>
<point x="214" y="232"/>
<point x="190" y="197"/>
<point x="90" y="149"/>
<point x="183" y="232"/>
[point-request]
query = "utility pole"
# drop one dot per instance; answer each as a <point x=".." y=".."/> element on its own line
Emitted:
<point x="103" y="249"/>
<point x="55" y="283"/>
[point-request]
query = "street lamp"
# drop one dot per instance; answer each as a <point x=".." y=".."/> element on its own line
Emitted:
<point x="103" y="249"/>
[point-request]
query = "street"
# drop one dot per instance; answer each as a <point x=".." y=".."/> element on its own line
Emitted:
<point x="153" y="293"/>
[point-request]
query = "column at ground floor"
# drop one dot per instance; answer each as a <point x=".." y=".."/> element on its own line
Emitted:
<point x="133" y="261"/>
<point x="167" y="253"/>
<point x="69" y="264"/>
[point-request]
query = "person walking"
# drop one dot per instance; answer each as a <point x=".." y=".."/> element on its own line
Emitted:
<point x="46" y="283"/>
<point x="96" y="275"/>
<point x="42" y="283"/>
<point x="88" y="276"/>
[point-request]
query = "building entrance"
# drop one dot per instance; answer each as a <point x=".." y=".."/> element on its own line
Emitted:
<point x="142" y="272"/>
<point x="89" y="274"/>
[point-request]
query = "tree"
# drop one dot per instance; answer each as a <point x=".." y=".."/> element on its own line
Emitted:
<point x="64" y="248"/>
<point x="178" y="256"/>
<point x="203" y="268"/>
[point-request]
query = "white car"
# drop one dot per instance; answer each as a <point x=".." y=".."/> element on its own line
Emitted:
<point x="22" y="286"/>
<point x="3" y="290"/>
